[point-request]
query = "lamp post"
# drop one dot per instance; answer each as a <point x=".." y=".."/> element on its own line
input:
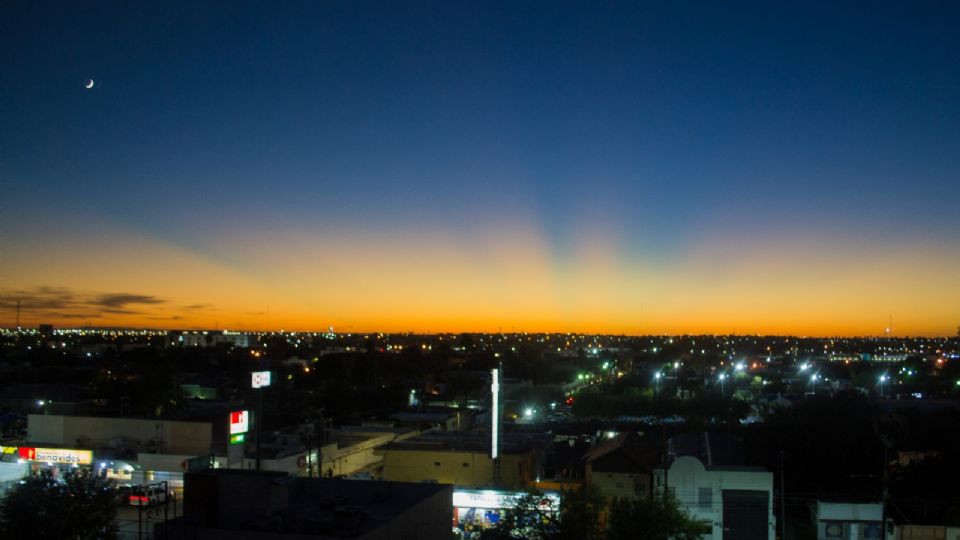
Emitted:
<point x="656" y="382"/>
<point x="722" y="377"/>
<point x="883" y="379"/>
<point x="676" y="376"/>
<point x="813" y="381"/>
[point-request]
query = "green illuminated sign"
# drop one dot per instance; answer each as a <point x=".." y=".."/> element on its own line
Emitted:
<point x="239" y="438"/>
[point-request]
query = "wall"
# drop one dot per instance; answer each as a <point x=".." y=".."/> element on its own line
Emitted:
<point x="447" y="467"/>
<point x="927" y="532"/>
<point x="430" y="518"/>
<point x="189" y="438"/>
<point x="687" y="475"/>
<point x="614" y="484"/>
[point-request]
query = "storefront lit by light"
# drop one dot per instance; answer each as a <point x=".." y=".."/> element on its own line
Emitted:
<point x="475" y="510"/>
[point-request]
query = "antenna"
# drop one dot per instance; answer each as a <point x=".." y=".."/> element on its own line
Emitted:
<point x="18" y="315"/>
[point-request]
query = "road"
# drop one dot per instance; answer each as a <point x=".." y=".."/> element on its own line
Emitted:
<point x="134" y="525"/>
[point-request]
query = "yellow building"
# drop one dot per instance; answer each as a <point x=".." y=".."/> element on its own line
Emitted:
<point x="462" y="459"/>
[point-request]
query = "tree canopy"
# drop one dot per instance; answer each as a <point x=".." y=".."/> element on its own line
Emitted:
<point x="78" y="506"/>
<point x="581" y="518"/>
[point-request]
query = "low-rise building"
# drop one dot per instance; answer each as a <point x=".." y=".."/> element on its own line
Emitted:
<point x="463" y="459"/>
<point x="848" y="521"/>
<point x="228" y="504"/>
<point x="731" y="501"/>
<point x="211" y="339"/>
<point x="132" y="434"/>
<point x="619" y="467"/>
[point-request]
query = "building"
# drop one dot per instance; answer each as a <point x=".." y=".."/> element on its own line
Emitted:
<point x="120" y="434"/>
<point x="620" y="467"/>
<point x="210" y="339"/>
<point x="731" y="501"/>
<point x="924" y="532"/>
<point x="848" y="521"/>
<point x="463" y="459"/>
<point x="227" y="504"/>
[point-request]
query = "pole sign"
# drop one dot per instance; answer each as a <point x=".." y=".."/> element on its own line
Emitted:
<point x="239" y="422"/>
<point x="239" y="438"/>
<point x="495" y="414"/>
<point x="259" y="379"/>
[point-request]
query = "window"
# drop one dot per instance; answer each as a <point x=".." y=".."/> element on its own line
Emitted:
<point x="705" y="498"/>
<point x="436" y="463"/>
<point x="672" y="492"/>
<point x="465" y="465"/>
<point x="833" y="530"/>
<point x="619" y="485"/>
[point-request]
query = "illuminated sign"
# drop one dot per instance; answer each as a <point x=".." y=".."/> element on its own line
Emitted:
<point x="56" y="455"/>
<point x="239" y="438"/>
<point x="259" y="379"/>
<point x="239" y="422"/>
<point x="495" y="499"/>
<point x="495" y="416"/>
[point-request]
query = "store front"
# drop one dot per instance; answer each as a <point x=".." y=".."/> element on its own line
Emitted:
<point x="477" y="510"/>
<point x="55" y="461"/>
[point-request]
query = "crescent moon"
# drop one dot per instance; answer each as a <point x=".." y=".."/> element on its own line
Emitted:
<point x="89" y="84"/>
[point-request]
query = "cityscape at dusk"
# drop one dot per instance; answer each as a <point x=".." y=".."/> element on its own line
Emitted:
<point x="485" y="270"/>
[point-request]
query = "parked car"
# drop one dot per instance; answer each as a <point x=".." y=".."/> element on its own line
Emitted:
<point x="147" y="496"/>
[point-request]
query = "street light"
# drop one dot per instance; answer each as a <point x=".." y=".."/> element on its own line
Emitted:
<point x="676" y="376"/>
<point x="813" y="381"/>
<point x="656" y="379"/>
<point x="883" y="378"/>
<point x="722" y="377"/>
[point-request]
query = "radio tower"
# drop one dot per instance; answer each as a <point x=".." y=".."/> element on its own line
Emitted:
<point x="18" y="315"/>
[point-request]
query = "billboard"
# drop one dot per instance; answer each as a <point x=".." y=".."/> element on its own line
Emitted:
<point x="56" y="455"/>
<point x="239" y="422"/>
<point x="259" y="379"/>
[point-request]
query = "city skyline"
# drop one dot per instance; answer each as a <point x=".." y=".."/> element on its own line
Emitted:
<point x="472" y="167"/>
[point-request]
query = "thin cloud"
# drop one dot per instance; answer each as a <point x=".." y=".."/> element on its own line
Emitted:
<point x="122" y="300"/>
<point x="57" y="303"/>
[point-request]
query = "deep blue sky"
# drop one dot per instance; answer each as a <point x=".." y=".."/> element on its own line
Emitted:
<point x="662" y="123"/>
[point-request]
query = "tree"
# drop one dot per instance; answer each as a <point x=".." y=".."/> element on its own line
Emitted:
<point x="580" y="515"/>
<point x="651" y="518"/>
<point x="530" y="519"/>
<point x="80" y="506"/>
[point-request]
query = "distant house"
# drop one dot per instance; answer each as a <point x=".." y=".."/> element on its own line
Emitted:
<point x="619" y="467"/>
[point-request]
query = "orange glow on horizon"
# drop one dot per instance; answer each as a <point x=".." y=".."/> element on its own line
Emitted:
<point x="508" y="279"/>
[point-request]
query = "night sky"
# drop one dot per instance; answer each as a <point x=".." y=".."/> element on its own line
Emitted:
<point x="759" y="167"/>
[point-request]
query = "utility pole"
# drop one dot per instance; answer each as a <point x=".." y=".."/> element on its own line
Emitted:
<point x="783" y="501"/>
<point x="259" y="424"/>
<point x="323" y="440"/>
<point x="884" y="492"/>
<point x="166" y="506"/>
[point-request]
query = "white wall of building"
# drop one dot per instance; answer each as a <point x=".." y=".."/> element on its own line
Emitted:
<point x="700" y="491"/>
